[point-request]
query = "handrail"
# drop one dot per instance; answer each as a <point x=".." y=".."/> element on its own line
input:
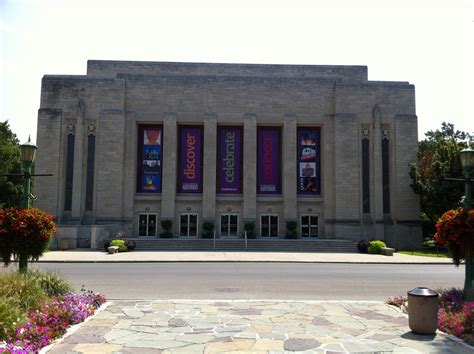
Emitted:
<point x="245" y="236"/>
<point x="214" y="239"/>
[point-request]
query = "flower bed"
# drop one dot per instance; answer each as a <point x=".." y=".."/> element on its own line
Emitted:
<point x="48" y="319"/>
<point x="455" y="315"/>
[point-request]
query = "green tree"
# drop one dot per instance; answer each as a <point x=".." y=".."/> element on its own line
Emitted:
<point x="10" y="162"/>
<point x="438" y="158"/>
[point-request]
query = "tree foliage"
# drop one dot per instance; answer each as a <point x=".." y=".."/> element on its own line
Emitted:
<point x="10" y="162"/>
<point x="438" y="158"/>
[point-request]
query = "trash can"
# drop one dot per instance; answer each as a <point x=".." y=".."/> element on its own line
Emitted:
<point x="423" y="310"/>
<point x="63" y="244"/>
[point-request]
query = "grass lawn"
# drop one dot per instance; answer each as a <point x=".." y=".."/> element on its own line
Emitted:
<point x="427" y="252"/>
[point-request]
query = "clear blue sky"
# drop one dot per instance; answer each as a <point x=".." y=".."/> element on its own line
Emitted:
<point x="426" y="42"/>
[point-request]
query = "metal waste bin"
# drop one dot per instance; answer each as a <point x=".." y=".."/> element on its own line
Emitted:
<point x="423" y="310"/>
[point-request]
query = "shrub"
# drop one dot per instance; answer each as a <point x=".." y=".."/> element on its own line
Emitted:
<point x="51" y="282"/>
<point x="11" y="316"/>
<point x="250" y="228"/>
<point x="22" y="290"/>
<point x="130" y="245"/>
<point x="106" y="246"/>
<point x="167" y="226"/>
<point x="376" y="247"/>
<point x="363" y="246"/>
<point x="291" y="227"/>
<point x="208" y="230"/>
<point x="120" y="244"/>
<point x="24" y="234"/>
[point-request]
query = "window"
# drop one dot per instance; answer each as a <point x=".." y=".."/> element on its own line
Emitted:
<point x="69" y="172"/>
<point x="386" y="175"/>
<point x="90" y="171"/>
<point x="147" y="224"/>
<point x="188" y="224"/>
<point x="309" y="226"/>
<point x="269" y="225"/>
<point x="365" y="176"/>
<point x="229" y="224"/>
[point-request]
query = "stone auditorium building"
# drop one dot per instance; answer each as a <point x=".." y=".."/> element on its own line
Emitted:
<point x="131" y="144"/>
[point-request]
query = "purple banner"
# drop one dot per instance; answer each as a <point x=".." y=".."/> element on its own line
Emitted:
<point x="308" y="154"/>
<point x="190" y="160"/>
<point x="150" y="159"/>
<point x="268" y="161"/>
<point x="229" y="162"/>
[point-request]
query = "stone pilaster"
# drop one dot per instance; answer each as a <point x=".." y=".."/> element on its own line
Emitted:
<point x="48" y="157"/>
<point x="250" y="169"/>
<point x="209" y="175"/>
<point x="170" y="150"/>
<point x="110" y="159"/>
<point x="377" y="176"/>
<point x="289" y="168"/>
<point x="77" y="187"/>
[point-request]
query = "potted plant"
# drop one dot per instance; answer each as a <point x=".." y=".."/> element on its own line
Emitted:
<point x="167" y="226"/>
<point x="208" y="230"/>
<point x="291" y="227"/>
<point x="455" y="229"/>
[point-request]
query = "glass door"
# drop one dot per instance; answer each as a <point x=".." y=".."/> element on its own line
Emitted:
<point x="229" y="225"/>
<point x="309" y="226"/>
<point x="147" y="224"/>
<point x="188" y="224"/>
<point x="269" y="225"/>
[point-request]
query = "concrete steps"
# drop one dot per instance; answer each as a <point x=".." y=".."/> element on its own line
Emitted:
<point x="256" y="245"/>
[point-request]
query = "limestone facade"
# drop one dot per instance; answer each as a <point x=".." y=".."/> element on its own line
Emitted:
<point x="117" y="98"/>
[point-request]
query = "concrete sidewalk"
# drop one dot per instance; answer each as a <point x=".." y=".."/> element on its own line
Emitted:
<point x="88" y="255"/>
<point x="192" y="326"/>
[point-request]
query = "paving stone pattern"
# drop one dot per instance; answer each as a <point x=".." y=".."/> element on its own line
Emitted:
<point x="252" y="326"/>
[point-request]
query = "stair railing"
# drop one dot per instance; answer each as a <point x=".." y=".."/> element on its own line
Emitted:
<point x="214" y="237"/>
<point x="245" y="237"/>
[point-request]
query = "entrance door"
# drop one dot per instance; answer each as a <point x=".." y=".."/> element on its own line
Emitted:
<point x="188" y="224"/>
<point x="269" y="225"/>
<point x="309" y="226"/>
<point x="229" y="225"/>
<point x="147" y="224"/>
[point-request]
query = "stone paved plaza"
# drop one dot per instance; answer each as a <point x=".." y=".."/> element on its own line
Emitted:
<point x="187" y="326"/>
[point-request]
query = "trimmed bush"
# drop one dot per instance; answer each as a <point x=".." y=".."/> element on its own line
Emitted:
<point x="208" y="230"/>
<point x="250" y="228"/>
<point x="291" y="227"/>
<point x="130" y="245"/>
<point x="376" y="247"/>
<point x="167" y="226"/>
<point x="120" y="244"/>
<point x="363" y="246"/>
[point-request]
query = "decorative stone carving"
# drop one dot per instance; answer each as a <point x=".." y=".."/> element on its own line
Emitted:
<point x="71" y="129"/>
<point x="91" y="129"/>
<point x="365" y="132"/>
<point x="385" y="133"/>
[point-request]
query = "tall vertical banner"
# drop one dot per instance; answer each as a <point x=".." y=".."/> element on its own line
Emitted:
<point x="229" y="160"/>
<point x="268" y="160"/>
<point x="190" y="159"/>
<point x="308" y="165"/>
<point x="151" y="159"/>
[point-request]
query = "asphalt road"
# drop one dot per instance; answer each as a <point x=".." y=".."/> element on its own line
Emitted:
<point x="286" y="281"/>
